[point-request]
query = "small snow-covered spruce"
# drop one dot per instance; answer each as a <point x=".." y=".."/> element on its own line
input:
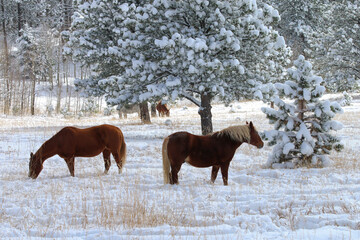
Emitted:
<point x="346" y="100"/>
<point x="108" y="111"/>
<point x="49" y="109"/>
<point x="302" y="128"/>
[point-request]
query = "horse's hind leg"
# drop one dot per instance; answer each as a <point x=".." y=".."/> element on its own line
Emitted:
<point x="70" y="163"/>
<point x="118" y="161"/>
<point x="224" y="172"/>
<point x="107" y="161"/>
<point x="174" y="179"/>
<point x="214" y="172"/>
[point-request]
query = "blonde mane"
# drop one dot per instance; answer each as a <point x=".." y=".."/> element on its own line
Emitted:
<point x="239" y="133"/>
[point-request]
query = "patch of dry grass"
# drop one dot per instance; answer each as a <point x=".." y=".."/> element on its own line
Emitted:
<point x="347" y="159"/>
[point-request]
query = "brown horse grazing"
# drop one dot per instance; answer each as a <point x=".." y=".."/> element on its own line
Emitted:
<point x="216" y="150"/>
<point x="162" y="109"/>
<point x="71" y="142"/>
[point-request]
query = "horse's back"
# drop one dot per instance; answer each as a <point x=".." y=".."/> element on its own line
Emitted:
<point x="179" y="135"/>
<point x="182" y="138"/>
<point x="184" y="143"/>
<point x="109" y="129"/>
<point x="94" y="138"/>
<point x="109" y="134"/>
<point x="188" y="139"/>
<point x="179" y="143"/>
<point x="66" y="133"/>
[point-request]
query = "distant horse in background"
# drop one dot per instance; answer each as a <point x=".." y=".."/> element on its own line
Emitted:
<point x="71" y="142"/>
<point x="124" y="110"/>
<point x="162" y="109"/>
<point x="216" y="150"/>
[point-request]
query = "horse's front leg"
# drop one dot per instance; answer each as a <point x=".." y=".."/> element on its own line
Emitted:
<point x="107" y="161"/>
<point x="214" y="172"/>
<point x="224" y="172"/>
<point x="71" y="163"/>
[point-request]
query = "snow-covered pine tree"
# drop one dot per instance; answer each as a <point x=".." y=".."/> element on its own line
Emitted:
<point x="338" y="50"/>
<point x="34" y="60"/>
<point x="346" y="99"/>
<point x="190" y="49"/>
<point x="302" y="127"/>
<point x="327" y="32"/>
<point x="219" y="48"/>
<point x="300" y="22"/>
<point x="108" y="36"/>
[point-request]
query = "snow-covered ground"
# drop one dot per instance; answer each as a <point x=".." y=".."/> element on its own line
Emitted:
<point x="259" y="203"/>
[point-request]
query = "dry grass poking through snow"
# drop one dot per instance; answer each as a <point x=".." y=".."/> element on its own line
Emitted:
<point x="348" y="159"/>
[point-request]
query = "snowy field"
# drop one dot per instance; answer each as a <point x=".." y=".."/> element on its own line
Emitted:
<point x="259" y="203"/>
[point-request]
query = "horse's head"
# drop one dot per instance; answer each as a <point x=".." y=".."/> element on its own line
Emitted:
<point x="255" y="139"/>
<point x="35" y="165"/>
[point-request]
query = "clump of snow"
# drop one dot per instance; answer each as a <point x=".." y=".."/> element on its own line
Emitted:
<point x="168" y="122"/>
<point x="288" y="146"/>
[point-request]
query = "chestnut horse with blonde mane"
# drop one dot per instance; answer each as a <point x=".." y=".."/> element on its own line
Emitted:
<point x="71" y="142"/>
<point x="216" y="150"/>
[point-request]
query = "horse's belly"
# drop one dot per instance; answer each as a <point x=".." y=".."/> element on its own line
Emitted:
<point x="200" y="161"/>
<point x="88" y="153"/>
<point x="87" y="150"/>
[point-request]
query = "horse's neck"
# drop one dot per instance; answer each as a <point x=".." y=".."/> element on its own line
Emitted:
<point x="237" y="144"/>
<point x="46" y="150"/>
<point x="231" y="141"/>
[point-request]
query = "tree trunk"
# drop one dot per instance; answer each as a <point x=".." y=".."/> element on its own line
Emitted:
<point x="153" y="109"/>
<point x="58" y="78"/>
<point x="7" y="63"/>
<point x="205" y="114"/>
<point x="66" y="74"/>
<point x="144" y="113"/>
<point x="22" y="100"/>
<point x="301" y="109"/>
<point x="32" y="103"/>
<point x="20" y="21"/>
<point x="68" y="11"/>
<point x="59" y="86"/>
<point x="51" y="78"/>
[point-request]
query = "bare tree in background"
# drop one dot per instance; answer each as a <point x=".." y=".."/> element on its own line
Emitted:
<point x="7" y="95"/>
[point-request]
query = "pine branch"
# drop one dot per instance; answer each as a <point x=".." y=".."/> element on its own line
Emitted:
<point x="191" y="98"/>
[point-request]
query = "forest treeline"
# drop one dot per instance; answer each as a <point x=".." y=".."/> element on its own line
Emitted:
<point x="34" y="33"/>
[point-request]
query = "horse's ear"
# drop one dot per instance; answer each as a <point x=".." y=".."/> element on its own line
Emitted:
<point x="251" y="124"/>
<point x="247" y="122"/>
<point x="31" y="155"/>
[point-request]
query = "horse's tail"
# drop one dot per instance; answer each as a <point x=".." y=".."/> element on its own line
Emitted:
<point x="166" y="161"/>
<point x="122" y="151"/>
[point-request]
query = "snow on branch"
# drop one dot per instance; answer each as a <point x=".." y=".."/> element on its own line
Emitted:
<point x="190" y="98"/>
